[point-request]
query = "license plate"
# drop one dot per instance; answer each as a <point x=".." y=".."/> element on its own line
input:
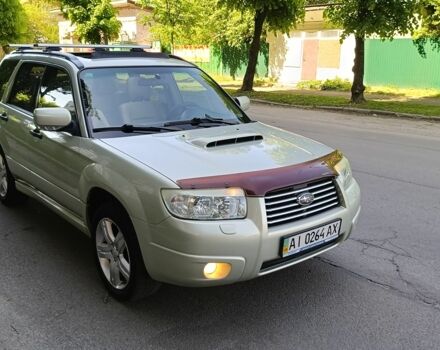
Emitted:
<point x="307" y="240"/>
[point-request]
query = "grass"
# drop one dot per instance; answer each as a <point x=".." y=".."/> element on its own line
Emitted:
<point x="344" y="85"/>
<point x="307" y="100"/>
<point x="408" y="92"/>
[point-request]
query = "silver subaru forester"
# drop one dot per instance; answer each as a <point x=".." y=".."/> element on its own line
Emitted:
<point x="172" y="180"/>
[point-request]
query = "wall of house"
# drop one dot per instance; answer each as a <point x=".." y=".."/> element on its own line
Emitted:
<point x="310" y="52"/>
<point x="310" y="55"/>
<point x="398" y="63"/>
<point x="133" y="27"/>
<point x="313" y="52"/>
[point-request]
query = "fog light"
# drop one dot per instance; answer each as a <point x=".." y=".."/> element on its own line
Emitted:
<point x="217" y="271"/>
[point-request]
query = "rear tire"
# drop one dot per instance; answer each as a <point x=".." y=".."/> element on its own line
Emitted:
<point x="118" y="256"/>
<point x="8" y="193"/>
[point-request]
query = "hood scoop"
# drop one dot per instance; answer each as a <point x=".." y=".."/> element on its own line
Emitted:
<point x="234" y="141"/>
<point x="213" y="142"/>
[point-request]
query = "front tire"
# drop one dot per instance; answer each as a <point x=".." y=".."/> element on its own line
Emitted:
<point x="8" y="193"/>
<point x="118" y="256"/>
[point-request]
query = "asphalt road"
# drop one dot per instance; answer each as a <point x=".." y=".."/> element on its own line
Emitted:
<point x="379" y="290"/>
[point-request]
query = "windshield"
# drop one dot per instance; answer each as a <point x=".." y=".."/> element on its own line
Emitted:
<point x="142" y="97"/>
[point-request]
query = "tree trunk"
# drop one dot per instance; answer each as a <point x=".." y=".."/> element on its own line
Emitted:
<point x="254" y="50"/>
<point x="172" y="41"/>
<point x="358" y="87"/>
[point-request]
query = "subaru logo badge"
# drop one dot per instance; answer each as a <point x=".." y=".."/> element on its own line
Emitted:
<point x="306" y="199"/>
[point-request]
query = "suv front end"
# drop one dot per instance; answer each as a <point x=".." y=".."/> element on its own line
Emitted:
<point x="201" y="252"/>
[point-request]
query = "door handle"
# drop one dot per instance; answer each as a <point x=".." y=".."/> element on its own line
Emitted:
<point x="4" y="116"/>
<point x="36" y="133"/>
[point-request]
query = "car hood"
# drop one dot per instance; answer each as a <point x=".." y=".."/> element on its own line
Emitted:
<point x="219" y="150"/>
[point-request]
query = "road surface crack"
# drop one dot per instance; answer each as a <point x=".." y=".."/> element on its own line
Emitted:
<point x="380" y="244"/>
<point x="15" y="330"/>
<point x="418" y="296"/>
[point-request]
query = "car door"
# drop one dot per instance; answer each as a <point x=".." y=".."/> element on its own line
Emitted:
<point x="59" y="157"/>
<point x="18" y="122"/>
<point x="55" y="160"/>
<point x="7" y="69"/>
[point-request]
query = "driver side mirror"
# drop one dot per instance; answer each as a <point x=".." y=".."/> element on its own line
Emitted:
<point x="244" y="102"/>
<point x="52" y="119"/>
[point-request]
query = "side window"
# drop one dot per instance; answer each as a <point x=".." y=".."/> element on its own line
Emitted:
<point x="56" y="90"/>
<point x="6" y="69"/>
<point x="25" y="88"/>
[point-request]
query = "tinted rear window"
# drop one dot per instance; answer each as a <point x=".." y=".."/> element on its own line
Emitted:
<point x="6" y="69"/>
<point x="26" y="85"/>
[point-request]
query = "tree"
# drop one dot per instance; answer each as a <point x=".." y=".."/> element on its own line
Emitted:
<point x="179" y="22"/>
<point x="429" y="31"/>
<point x="202" y="22"/>
<point x="272" y="15"/>
<point x="366" y="18"/>
<point x="41" y="26"/>
<point x="231" y="44"/>
<point x="12" y="22"/>
<point x="95" y="20"/>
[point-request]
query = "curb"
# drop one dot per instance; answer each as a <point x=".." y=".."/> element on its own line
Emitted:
<point x="352" y="110"/>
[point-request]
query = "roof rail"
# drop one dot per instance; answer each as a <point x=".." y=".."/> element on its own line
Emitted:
<point x="58" y="47"/>
<point x="99" y="51"/>
<point x="55" y="53"/>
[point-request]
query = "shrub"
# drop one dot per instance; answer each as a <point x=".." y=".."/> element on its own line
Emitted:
<point x="336" y="84"/>
<point x="309" y="85"/>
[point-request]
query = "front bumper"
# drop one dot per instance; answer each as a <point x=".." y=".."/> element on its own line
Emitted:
<point x="176" y="251"/>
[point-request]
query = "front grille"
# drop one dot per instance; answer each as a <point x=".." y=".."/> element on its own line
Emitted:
<point x="282" y="205"/>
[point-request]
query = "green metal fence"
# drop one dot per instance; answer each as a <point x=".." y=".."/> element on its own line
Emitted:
<point x="215" y="67"/>
<point x="398" y="63"/>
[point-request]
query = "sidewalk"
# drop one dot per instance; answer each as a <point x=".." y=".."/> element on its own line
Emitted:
<point x="391" y="97"/>
<point x="391" y="105"/>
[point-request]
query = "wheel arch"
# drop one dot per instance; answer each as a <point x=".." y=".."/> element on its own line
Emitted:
<point x="95" y="197"/>
<point x="98" y="184"/>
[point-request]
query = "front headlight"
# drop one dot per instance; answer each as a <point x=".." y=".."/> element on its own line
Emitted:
<point x="344" y="170"/>
<point x="221" y="204"/>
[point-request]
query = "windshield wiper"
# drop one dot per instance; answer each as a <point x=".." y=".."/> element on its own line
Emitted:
<point x="197" y="121"/>
<point x="128" y="128"/>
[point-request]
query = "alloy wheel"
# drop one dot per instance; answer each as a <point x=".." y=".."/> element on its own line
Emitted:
<point x="3" y="177"/>
<point x="113" y="254"/>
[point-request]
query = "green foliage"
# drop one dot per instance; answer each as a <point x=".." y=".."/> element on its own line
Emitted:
<point x="232" y="43"/>
<point x="268" y="15"/>
<point x="233" y="58"/>
<point x="336" y="84"/>
<point x="429" y="31"/>
<point x="12" y="22"/>
<point x="281" y="15"/>
<point x="42" y="27"/>
<point x="95" y="20"/>
<point x="365" y="18"/>
<point x="179" y="22"/>
<point x="237" y="27"/>
<point x="309" y="85"/>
